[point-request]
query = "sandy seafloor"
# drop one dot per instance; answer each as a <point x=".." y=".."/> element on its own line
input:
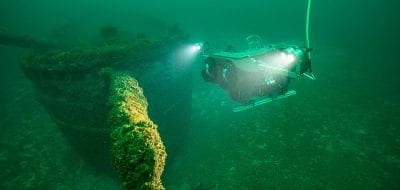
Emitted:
<point x="339" y="132"/>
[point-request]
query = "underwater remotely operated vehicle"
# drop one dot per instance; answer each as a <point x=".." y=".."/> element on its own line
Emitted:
<point x="258" y="75"/>
<point x="261" y="73"/>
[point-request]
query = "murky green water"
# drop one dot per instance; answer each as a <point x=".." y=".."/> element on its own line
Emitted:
<point x="339" y="132"/>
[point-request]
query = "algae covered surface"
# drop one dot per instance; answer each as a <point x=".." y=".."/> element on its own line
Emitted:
<point x="96" y="95"/>
<point x="138" y="152"/>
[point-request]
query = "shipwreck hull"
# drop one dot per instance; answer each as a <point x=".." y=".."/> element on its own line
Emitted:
<point x="75" y="87"/>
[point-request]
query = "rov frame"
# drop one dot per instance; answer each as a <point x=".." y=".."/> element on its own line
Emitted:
<point x="259" y="74"/>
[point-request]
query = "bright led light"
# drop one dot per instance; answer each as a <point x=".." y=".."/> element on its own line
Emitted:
<point x="197" y="47"/>
<point x="189" y="52"/>
<point x="192" y="49"/>
<point x="283" y="55"/>
<point x="287" y="57"/>
<point x="291" y="58"/>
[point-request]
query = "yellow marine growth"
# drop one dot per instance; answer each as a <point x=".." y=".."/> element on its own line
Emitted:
<point x="138" y="152"/>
